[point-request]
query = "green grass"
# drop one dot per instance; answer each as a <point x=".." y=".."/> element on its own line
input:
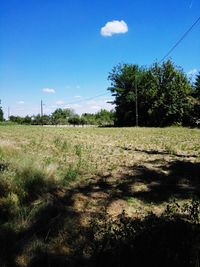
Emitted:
<point x="54" y="178"/>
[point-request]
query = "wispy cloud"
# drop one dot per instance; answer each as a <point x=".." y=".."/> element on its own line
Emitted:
<point x="78" y="87"/>
<point x="192" y="72"/>
<point x="96" y="107"/>
<point x="60" y="102"/>
<point x="48" y="90"/>
<point x="77" y="96"/>
<point x="85" y="106"/>
<point x="93" y="106"/>
<point x="21" y="102"/>
<point x="73" y="106"/>
<point x="114" y="27"/>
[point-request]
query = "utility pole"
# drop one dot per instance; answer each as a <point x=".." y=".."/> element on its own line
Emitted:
<point x="136" y="102"/>
<point x="41" y="109"/>
<point x="8" y="113"/>
<point x="1" y="112"/>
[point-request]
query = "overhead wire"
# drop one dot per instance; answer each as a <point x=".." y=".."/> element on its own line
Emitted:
<point x="166" y="55"/>
<point x="180" y="40"/>
<point x="86" y="99"/>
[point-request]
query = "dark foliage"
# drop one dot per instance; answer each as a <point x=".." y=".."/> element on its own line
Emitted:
<point x="1" y="114"/>
<point x="162" y="94"/>
<point x="67" y="116"/>
<point x="171" y="239"/>
<point x="168" y="240"/>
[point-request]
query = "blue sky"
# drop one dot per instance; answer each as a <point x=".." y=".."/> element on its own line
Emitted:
<point x="55" y="50"/>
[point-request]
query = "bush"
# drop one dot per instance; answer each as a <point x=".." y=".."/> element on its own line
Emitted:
<point x="172" y="239"/>
<point x="31" y="183"/>
<point x="70" y="175"/>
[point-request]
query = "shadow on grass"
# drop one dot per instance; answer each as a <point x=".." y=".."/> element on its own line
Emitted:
<point x="56" y="235"/>
<point x="176" y="179"/>
<point x="156" y="152"/>
<point x="179" y="179"/>
<point x="154" y="241"/>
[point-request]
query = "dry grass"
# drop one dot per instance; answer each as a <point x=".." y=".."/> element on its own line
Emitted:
<point x="71" y="154"/>
<point x="48" y="173"/>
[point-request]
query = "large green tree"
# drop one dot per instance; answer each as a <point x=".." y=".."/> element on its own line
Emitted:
<point x="161" y="94"/>
<point x="172" y="96"/>
<point x="105" y="117"/>
<point x="1" y="112"/>
<point x="197" y="86"/>
<point x="193" y="117"/>
<point x="124" y="83"/>
<point x="61" y="116"/>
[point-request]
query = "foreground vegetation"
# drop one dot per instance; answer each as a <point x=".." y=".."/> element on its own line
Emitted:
<point x="99" y="196"/>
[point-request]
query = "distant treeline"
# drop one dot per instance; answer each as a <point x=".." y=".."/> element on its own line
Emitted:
<point x="67" y="116"/>
<point x="157" y="96"/>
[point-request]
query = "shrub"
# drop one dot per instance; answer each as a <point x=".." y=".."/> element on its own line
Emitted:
<point x="32" y="183"/>
<point x="70" y="175"/>
<point x="172" y="239"/>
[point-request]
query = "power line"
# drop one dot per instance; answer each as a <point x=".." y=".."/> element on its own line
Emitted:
<point x="167" y="54"/>
<point x="180" y="40"/>
<point x="86" y="99"/>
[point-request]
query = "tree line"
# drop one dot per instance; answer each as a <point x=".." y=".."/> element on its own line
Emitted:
<point x="67" y="116"/>
<point x="157" y="96"/>
<point x="161" y="95"/>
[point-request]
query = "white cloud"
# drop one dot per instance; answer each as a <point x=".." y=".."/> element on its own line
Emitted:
<point x="74" y="106"/>
<point x="92" y="102"/>
<point x="96" y="107"/>
<point x="192" y="72"/>
<point x="114" y="27"/>
<point x="60" y="102"/>
<point x="77" y="96"/>
<point x="21" y="102"/>
<point x="93" y="106"/>
<point x="78" y="87"/>
<point x="20" y="109"/>
<point x="86" y="106"/>
<point x="48" y="90"/>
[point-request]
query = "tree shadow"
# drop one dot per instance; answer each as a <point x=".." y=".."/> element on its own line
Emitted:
<point x="156" y="152"/>
<point x="179" y="179"/>
<point x="154" y="241"/>
<point x="57" y="236"/>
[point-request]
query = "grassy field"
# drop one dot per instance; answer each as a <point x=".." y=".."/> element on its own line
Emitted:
<point x="55" y="181"/>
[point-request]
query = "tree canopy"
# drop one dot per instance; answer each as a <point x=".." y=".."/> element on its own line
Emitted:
<point x="197" y="86"/>
<point x="1" y="112"/>
<point x="67" y="116"/>
<point x="162" y="94"/>
<point x="61" y="116"/>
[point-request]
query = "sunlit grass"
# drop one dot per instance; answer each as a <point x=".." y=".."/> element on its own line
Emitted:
<point x="40" y="165"/>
